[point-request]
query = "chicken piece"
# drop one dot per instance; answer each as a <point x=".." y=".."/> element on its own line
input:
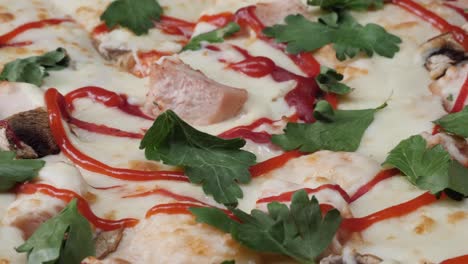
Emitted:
<point x="180" y="239"/>
<point x="457" y="147"/>
<point x="28" y="134"/>
<point x="441" y="53"/>
<point x="29" y="211"/>
<point x="193" y="96"/>
<point x="274" y="12"/>
<point x="449" y="86"/>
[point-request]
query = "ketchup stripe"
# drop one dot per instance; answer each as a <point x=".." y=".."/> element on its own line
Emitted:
<point x="457" y="260"/>
<point x="4" y="39"/>
<point x="83" y="206"/>
<point x="458" y="33"/>
<point x="55" y="103"/>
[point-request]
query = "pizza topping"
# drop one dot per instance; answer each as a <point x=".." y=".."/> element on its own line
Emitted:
<point x="107" y="242"/>
<point x="34" y="69"/>
<point x="358" y="259"/>
<point x="56" y="105"/>
<point x="5" y="40"/>
<point x="336" y="5"/>
<point x="215" y="36"/>
<point x="30" y="131"/>
<point x="442" y="52"/>
<point x="349" y="38"/>
<point x="342" y="133"/>
<point x="83" y="206"/>
<point x="330" y="81"/>
<point x="300" y="232"/>
<point x="430" y="169"/>
<point x="66" y="238"/>
<point x="138" y="16"/>
<point x="14" y="171"/>
<point x="193" y="96"/>
<point x="218" y="164"/>
<point x="456" y="123"/>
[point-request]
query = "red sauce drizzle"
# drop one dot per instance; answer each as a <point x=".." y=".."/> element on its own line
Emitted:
<point x="166" y="193"/>
<point x="461" y="99"/>
<point x="360" y="224"/>
<point x="179" y="208"/>
<point x="458" y="33"/>
<point x="218" y="20"/>
<point x="247" y="17"/>
<point x="457" y="260"/>
<point x="16" y="44"/>
<point x="383" y="175"/>
<point x="246" y="132"/>
<point x="302" y="97"/>
<point x="83" y="206"/>
<point x="272" y="164"/>
<point x="56" y="107"/>
<point x="4" y="39"/>
<point x="175" y="26"/>
<point x="459" y="10"/>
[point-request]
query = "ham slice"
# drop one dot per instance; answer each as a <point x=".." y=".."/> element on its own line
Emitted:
<point x="191" y="95"/>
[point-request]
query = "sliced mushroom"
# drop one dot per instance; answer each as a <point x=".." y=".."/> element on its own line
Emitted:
<point x="358" y="259"/>
<point x="107" y="242"/>
<point x="440" y="53"/>
<point x="28" y="134"/>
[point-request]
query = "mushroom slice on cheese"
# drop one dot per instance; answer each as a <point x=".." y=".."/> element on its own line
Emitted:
<point x="449" y="86"/>
<point x="193" y="96"/>
<point x="28" y="134"/>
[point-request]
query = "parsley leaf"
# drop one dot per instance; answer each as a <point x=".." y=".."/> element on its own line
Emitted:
<point x="430" y="169"/>
<point x="456" y="123"/>
<point x="218" y="164"/>
<point x="329" y="81"/>
<point x="16" y="171"/>
<point x="299" y="232"/>
<point x="65" y="238"/>
<point x="359" y="5"/>
<point x="136" y="15"/>
<point x="349" y="37"/>
<point x="340" y="131"/>
<point x="215" y="36"/>
<point x="34" y="69"/>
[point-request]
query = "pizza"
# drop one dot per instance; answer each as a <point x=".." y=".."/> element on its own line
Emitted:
<point x="233" y="131"/>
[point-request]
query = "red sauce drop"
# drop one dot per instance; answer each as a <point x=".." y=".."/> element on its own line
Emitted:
<point x="458" y="33"/>
<point x="457" y="260"/>
<point x="56" y="107"/>
<point x="4" y="39"/>
<point x="360" y="224"/>
<point x="83" y="206"/>
<point x="175" y="26"/>
<point x="272" y="164"/>
<point x="100" y="29"/>
<point x="256" y="67"/>
<point x="218" y="20"/>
